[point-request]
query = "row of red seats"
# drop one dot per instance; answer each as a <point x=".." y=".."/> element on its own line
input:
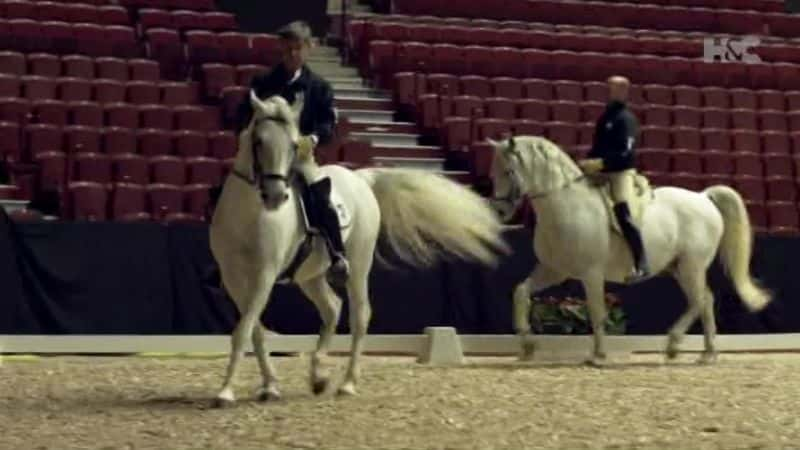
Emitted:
<point x="619" y="14"/>
<point x="194" y="5"/>
<point x="720" y="163"/>
<point x="65" y="12"/>
<point x="123" y="115"/>
<point x="90" y="2"/>
<point x="755" y="5"/>
<point x="457" y="133"/>
<point x="132" y="202"/>
<point x="687" y="47"/>
<point x="216" y="77"/>
<point x="184" y="20"/>
<point x="78" y="66"/>
<point x="357" y="28"/>
<point x="409" y="86"/>
<point x="432" y="109"/>
<point x="167" y="47"/>
<point x="388" y="58"/>
<point x="22" y="144"/>
<point x="90" y="39"/>
<point x="101" y="90"/>
<point x="58" y="168"/>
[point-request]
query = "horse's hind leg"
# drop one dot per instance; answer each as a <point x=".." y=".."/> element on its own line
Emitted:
<point x="692" y="280"/>
<point x="709" y="329"/>
<point x="329" y="306"/>
<point x="540" y="279"/>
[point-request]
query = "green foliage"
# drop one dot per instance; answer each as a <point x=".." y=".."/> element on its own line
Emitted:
<point x="551" y="315"/>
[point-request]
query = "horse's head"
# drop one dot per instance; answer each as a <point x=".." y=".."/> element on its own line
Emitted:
<point x="271" y="138"/>
<point x="529" y="165"/>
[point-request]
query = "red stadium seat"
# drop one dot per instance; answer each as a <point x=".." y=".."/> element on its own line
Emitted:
<point x="164" y="199"/>
<point x="500" y="108"/>
<point x="44" y="64"/>
<point x="89" y="201"/>
<point x="143" y="93"/>
<point x="168" y="169"/>
<point x="78" y="66"/>
<point x="122" y="115"/>
<point x="778" y="165"/>
<point x="109" y="91"/>
<point x="178" y="93"/>
<point x="216" y="77"/>
<point x="783" y="217"/>
<point x="687" y="138"/>
<point x="74" y="89"/>
<point x="717" y="162"/>
<point x="119" y="141"/>
<point x="13" y="63"/>
<point x="687" y="161"/>
<point x="89" y="114"/>
<point x="153" y="142"/>
<point x="204" y="170"/>
<point x="39" y="88"/>
<point x="128" y="199"/>
<point x="687" y="116"/>
<point x="687" y="96"/>
<point x="752" y="188"/>
<point x="112" y="68"/>
<point x="156" y="116"/>
<point x="223" y="144"/>
<point x="776" y="142"/>
<point x="716" y="118"/>
<point x="130" y="168"/>
<point x="715" y="97"/>
<point x="50" y="111"/>
<point x="773" y="120"/>
<point x="246" y="72"/>
<point x="654" y="159"/>
<point x="748" y="164"/>
<point x="144" y="70"/>
<point x="746" y="141"/>
<point x="80" y="139"/>
<point x="92" y="167"/>
<point x="658" y="115"/>
<point x="565" y="111"/>
<point x="191" y="143"/>
<point x="533" y="109"/>
<point x="10" y="142"/>
<point x="52" y="170"/>
<point x="771" y="100"/>
<point x="43" y="138"/>
<point x="197" y="198"/>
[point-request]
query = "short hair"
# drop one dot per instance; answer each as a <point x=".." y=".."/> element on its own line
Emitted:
<point x="296" y="31"/>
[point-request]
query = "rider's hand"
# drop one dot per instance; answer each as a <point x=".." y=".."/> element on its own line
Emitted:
<point x="591" y="165"/>
<point x="305" y="147"/>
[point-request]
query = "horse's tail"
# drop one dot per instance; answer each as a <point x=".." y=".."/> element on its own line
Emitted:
<point x="737" y="246"/>
<point x="425" y="216"/>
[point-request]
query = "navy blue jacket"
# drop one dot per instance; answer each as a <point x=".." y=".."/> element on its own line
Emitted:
<point x="318" y="116"/>
<point x="615" y="138"/>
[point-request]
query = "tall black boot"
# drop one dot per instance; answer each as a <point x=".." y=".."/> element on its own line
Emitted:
<point x="328" y="221"/>
<point x="634" y="239"/>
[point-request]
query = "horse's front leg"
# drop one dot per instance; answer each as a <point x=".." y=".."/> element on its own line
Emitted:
<point x="251" y="307"/>
<point x="540" y="279"/>
<point x="594" y="287"/>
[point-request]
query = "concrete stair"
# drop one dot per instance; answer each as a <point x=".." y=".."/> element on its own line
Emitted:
<point x="371" y="115"/>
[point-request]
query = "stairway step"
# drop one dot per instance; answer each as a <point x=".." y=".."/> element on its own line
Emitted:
<point x="416" y="151"/>
<point x="360" y="92"/>
<point x="366" y="114"/>
<point x="383" y="127"/>
<point x="434" y="164"/>
<point x="387" y="139"/>
<point x="365" y="104"/>
<point x="328" y="71"/>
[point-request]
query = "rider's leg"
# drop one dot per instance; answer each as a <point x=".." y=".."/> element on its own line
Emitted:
<point x="622" y="190"/>
<point x="328" y="219"/>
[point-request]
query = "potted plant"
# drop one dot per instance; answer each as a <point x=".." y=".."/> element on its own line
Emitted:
<point x="570" y="315"/>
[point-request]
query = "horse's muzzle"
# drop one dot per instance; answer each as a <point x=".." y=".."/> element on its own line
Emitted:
<point x="273" y="202"/>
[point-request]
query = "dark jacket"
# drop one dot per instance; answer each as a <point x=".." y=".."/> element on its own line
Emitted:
<point x="615" y="137"/>
<point x="318" y="116"/>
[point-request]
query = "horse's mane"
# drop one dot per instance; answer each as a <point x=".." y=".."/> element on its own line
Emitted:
<point x="276" y="107"/>
<point x="544" y="165"/>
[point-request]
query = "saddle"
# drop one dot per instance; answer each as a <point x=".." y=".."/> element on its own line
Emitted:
<point x="309" y="208"/>
<point x="643" y="195"/>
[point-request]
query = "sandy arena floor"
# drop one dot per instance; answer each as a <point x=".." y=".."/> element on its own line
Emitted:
<point x="743" y="402"/>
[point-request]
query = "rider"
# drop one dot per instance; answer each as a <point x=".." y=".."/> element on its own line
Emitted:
<point x="612" y="153"/>
<point x="293" y="80"/>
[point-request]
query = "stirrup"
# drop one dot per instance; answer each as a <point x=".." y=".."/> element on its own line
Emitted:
<point x="637" y="274"/>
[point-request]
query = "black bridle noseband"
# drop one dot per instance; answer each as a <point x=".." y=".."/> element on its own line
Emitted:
<point x="259" y="176"/>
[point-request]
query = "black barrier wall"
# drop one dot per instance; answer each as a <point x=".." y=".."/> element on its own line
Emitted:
<point x="115" y="278"/>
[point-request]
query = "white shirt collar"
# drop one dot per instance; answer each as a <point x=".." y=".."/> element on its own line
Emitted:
<point x="296" y="75"/>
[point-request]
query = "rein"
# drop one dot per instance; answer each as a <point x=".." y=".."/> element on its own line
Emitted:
<point x="258" y="175"/>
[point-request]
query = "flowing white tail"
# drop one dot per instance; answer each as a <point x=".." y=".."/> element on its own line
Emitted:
<point x="425" y="216"/>
<point x="736" y="246"/>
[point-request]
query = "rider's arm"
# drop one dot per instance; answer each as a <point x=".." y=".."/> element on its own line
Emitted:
<point x="326" y="118"/>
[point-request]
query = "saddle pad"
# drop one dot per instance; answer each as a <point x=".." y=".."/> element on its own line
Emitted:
<point x="642" y="197"/>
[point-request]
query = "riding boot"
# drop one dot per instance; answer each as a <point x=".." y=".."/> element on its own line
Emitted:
<point x="329" y="226"/>
<point x="634" y="238"/>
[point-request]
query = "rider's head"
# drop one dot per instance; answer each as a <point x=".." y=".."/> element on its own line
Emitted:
<point x="296" y="41"/>
<point x="618" y="88"/>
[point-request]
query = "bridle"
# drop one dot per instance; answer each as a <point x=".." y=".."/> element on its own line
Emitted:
<point x="259" y="176"/>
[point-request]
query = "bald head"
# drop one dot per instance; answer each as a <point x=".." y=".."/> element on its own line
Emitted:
<point x="618" y="88"/>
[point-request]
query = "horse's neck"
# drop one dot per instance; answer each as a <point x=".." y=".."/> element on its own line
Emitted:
<point x="243" y="162"/>
<point x="579" y="195"/>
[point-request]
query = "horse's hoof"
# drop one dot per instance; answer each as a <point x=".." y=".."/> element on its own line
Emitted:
<point x="268" y="395"/>
<point x="528" y="352"/>
<point x="707" y="358"/>
<point x="222" y="403"/>
<point x="597" y="361"/>
<point x="319" y="386"/>
<point x="346" y="390"/>
<point x="671" y="353"/>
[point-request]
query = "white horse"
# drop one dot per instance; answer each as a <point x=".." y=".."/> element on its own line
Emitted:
<point x="258" y="230"/>
<point x="682" y="232"/>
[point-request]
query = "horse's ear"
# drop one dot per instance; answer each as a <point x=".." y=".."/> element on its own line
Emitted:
<point x="512" y="143"/>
